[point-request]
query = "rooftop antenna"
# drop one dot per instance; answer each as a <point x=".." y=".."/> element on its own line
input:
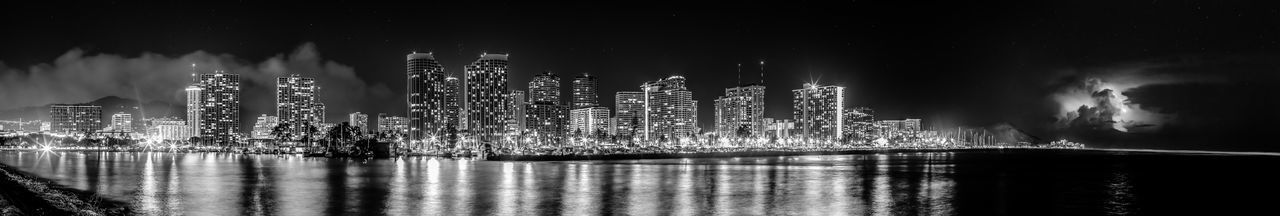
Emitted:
<point x="193" y="73"/>
<point x="762" y="72"/>
<point x="739" y="74"/>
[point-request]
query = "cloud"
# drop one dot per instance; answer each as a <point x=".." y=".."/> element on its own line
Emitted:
<point x="81" y="77"/>
<point x="1097" y="98"/>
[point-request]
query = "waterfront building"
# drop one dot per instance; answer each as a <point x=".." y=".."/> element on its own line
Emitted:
<point x="817" y="111"/>
<point x="219" y="108"/>
<point x="584" y="91"/>
<point x="547" y="121"/>
<point x="263" y="126"/>
<point x="170" y="130"/>
<point x="193" y="107"/>
<point x="359" y="120"/>
<point x="428" y="98"/>
<point x="741" y="106"/>
<point x="297" y="103"/>
<point x="121" y="122"/>
<point x="486" y="92"/>
<point x="75" y="118"/>
<point x="453" y="102"/>
<point x="589" y="121"/>
<point x="393" y="125"/>
<point x="669" y="109"/>
<point x="629" y="107"/>
<point x="516" y="122"/>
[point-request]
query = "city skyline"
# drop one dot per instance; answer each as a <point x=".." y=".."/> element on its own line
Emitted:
<point x="1027" y="65"/>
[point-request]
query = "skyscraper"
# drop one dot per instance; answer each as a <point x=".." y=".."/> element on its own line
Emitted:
<point x="427" y="97"/>
<point x="193" y="109"/>
<point x="817" y="111"/>
<point x="486" y="83"/>
<point x="741" y="106"/>
<point x="669" y="109"/>
<point x="516" y="112"/>
<point x="545" y="89"/>
<point x="453" y="102"/>
<point x="629" y="106"/>
<point x="545" y="117"/>
<point x="219" y="108"/>
<point x="75" y="118"/>
<point x="297" y="104"/>
<point x="360" y="121"/>
<point x="584" y="91"/>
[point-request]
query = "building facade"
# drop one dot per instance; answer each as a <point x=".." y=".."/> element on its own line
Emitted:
<point x="427" y="98"/>
<point x="516" y="116"/>
<point x="669" y="109"/>
<point x="219" y="108"/>
<point x="122" y="122"/>
<point x="75" y="118"/>
<point x="453" y="102"/>
<point x="297" y="103"/>
<point x="589" y="121"/>
<point x="584" y="91"/>
<point x="740" y="107"/>
<point x="263" y="126"/>
<point x="193" y="108"/>
<point x="629" y="107"/>
<point x="544" y="88"/>
<point x="486" y="90"/>
<point x="393" y="125"/>
<point x="817" y="111"/>
<point x="360" y="121"/>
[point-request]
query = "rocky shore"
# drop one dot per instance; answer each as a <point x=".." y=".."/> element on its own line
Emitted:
<point x="24" y="194"/>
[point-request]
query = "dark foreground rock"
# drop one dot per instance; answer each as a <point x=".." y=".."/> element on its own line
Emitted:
<point x="24" y="194"/>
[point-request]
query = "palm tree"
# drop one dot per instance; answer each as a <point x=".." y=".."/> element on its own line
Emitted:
<point x="281" y="132"/>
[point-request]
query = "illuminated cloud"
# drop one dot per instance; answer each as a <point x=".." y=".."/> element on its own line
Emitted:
<point x="1096" y="98"/>
<point x="77" y="76"/>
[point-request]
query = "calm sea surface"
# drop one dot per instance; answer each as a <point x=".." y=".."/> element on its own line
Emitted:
<point x="970" y="183"/>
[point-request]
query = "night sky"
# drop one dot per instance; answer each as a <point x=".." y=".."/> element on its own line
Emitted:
<point x="1203" y="73"/>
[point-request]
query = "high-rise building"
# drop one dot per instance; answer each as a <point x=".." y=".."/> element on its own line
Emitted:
<point x="297" y="103"/>
<point x="453" y="102"/>
<point x="516" y="122"/>
<point x="669" y="109"/>
<point x="545" y="89"/>
<point x="545" y="118"/>
<point x="392" y="124"/>
<point x="193" y="108"/>
<point x="427" y="98"/>
<point x="122" y="122"/>
<point x="219" y="108"/>
<point x="817" y="111"/>
<point x="630" y="108"/>
<point x="264" y="125"/>
<point x="584" y="91"/>
<point x="359" y="120"/>
<point x="547" y="121"/>
<point x="75" y="118"/>
<point x="741" y="106"/>
<point x="588" y="120"/>
<point x="486" y="90"/>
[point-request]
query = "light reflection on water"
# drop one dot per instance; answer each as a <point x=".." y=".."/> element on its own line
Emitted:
<point x="232" y="184"/>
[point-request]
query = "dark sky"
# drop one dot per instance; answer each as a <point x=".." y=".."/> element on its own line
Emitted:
<point x="976" y="64"/>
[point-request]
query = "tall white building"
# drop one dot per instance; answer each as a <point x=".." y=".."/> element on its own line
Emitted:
<point x="817" y="111"/>
<point x="193" y="108"/>
<point x="219" y="108"/>
<point x="589" y="120"/>
<point x="741" y="106"/>
<point x="297" y="103"/>
<point x="75" y="118"/>
<point x="486" y="90"/>
<point x="669" y="109"/>
<point x="428" y="98"/>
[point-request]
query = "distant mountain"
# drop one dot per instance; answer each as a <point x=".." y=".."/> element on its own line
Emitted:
<point x="110" y="105"/>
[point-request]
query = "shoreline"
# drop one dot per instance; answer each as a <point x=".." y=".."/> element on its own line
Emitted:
<point x="762" y="153"/>
<point x="22" y="193"/>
